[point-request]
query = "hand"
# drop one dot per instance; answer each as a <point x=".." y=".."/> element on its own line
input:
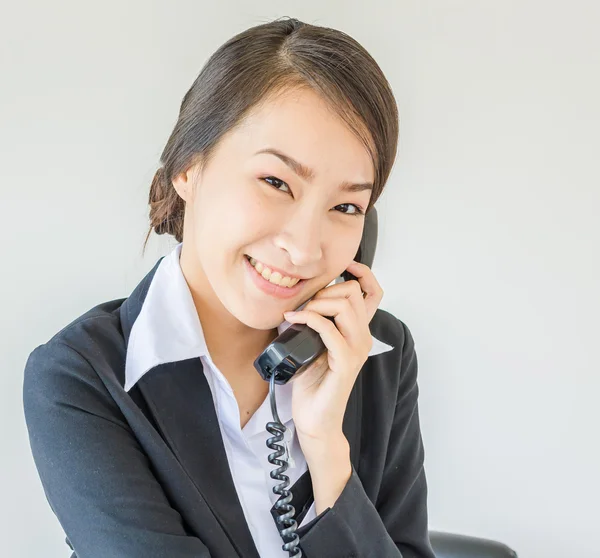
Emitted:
<point x="321" y="390"/>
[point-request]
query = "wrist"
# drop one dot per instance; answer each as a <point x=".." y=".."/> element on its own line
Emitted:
<point x="324" y="449"/>
<point x="330" y="469"/>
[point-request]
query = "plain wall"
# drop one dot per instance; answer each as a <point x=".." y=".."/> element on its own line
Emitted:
<point x="489" y="239"/>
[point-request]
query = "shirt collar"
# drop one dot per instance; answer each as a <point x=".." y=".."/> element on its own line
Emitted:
<point x="168" y="329"/>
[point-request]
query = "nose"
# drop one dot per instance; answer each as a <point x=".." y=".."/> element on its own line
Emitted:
<point x="301" y="236"/>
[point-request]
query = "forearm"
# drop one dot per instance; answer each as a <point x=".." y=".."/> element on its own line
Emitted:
<point x="330" y="468"/>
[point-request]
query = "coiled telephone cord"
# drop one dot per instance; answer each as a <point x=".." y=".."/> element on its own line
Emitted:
<point x="285" y="520"/>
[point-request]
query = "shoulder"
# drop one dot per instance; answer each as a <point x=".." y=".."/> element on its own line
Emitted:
<point x="393" y="331"/>
<point x="388" y="376"/>
<point x="90" y="350"/>
<point x="97" y="322"/>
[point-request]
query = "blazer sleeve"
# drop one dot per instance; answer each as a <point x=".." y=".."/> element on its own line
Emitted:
<point x="397" y="525"/>
<point x="96" y="477"/>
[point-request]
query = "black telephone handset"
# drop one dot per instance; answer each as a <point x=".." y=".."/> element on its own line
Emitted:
<point x="299" y="345"/>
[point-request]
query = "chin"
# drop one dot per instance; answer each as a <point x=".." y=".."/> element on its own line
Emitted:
<point x="262" y="323"/>
<point x="254" y="315"/>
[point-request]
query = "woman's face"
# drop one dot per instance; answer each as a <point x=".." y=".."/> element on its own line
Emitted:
<point x="249" y="202"/>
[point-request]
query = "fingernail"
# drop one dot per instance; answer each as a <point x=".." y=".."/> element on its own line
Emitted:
<point x="289" y="314"/>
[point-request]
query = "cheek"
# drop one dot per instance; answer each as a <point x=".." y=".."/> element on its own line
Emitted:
<point x="228" y="218"/>
<point x="341" y="253"/>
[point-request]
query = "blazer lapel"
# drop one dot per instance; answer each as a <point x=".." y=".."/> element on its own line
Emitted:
<point x="181" y="403"/>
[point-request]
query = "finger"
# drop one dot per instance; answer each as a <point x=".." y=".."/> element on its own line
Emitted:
<point x="369" y="285"/>
<point x="350" y="290"/>
<point x="331" y="336"/>
<point x="351" y="326"/>
<point x="312" y="374"/>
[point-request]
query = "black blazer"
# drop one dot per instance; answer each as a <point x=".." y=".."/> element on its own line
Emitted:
<point x="144" y="473"/>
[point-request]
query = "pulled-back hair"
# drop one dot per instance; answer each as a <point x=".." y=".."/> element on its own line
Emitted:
<point x="257" y="64"/>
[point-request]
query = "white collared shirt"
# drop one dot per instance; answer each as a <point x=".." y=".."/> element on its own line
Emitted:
<point x="168" y="329"/>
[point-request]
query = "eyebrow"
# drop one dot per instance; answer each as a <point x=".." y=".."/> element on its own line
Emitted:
<point x="308" y="174"/>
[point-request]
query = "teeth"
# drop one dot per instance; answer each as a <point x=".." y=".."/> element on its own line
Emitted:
<point x="273" y="276"/>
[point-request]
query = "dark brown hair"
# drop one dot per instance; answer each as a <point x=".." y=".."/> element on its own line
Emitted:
<point x="257" y="64"/>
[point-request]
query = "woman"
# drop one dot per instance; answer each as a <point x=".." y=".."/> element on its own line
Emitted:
<point x="146" y="416"/>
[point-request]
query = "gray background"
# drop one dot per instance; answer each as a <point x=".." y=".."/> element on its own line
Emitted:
<point x="489" y="228"/>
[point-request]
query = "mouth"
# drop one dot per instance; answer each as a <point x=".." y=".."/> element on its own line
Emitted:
<point x="272" y="283"/>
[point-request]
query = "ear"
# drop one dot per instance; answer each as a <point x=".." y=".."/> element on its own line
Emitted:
<point x="185" y="182"/>
<point x="182" y="184"/>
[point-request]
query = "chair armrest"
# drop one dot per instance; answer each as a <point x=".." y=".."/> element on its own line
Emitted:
<point x="449" y="545"/>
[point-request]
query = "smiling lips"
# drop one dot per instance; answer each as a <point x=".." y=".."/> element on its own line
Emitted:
<point x="273" y="276"/>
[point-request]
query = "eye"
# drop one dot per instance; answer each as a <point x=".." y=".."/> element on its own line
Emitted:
<point x="277" y="183"/>
<point x="358" y="210"/>
<point x="276" y="180"/>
